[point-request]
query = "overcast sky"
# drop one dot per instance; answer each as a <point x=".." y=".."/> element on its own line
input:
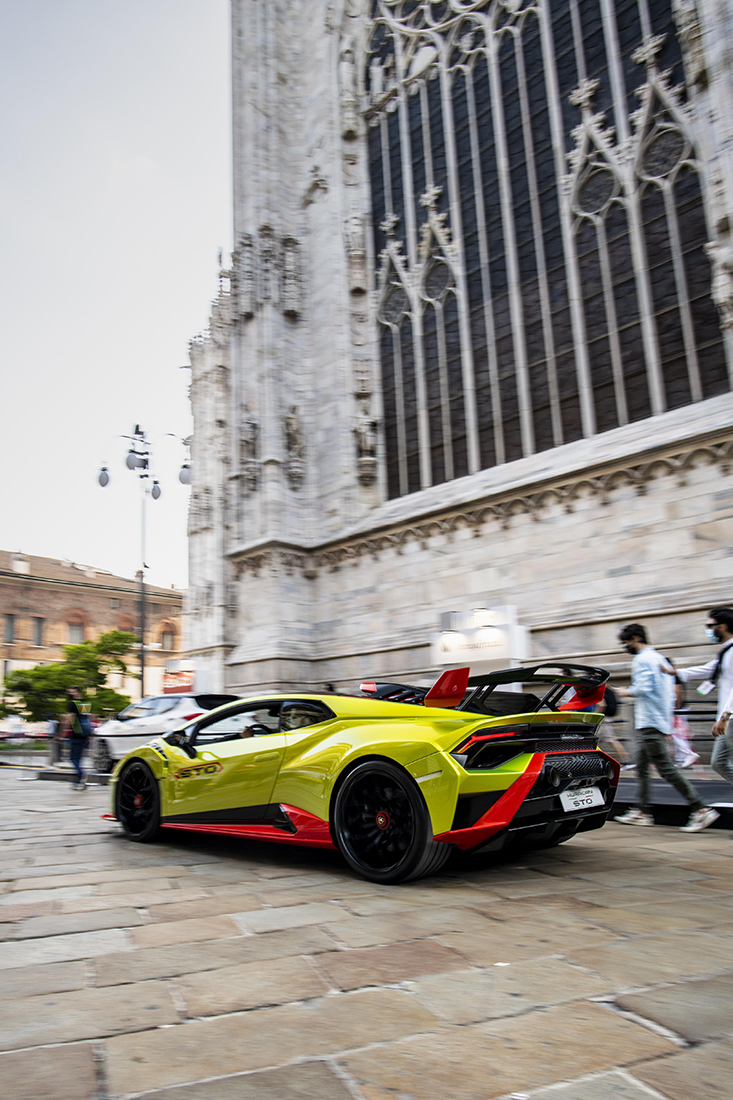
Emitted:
<point x="114" y="200"/>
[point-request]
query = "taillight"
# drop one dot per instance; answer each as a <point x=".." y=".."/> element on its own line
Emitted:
<point x="489" y="749"/>
<point x="475" y="738"/>
<point x="188" y="717"/>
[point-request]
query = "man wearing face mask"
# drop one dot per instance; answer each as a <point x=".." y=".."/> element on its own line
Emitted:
<point x="718" y="673"/>
<point x="651" y="689"/>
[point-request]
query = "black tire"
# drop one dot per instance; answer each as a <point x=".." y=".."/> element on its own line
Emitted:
<point x="382" y="825"/>
<point x="101" y="758"/>
<point x="137" y="802"/>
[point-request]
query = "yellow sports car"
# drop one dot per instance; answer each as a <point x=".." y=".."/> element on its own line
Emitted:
<point x="395" y="778"/>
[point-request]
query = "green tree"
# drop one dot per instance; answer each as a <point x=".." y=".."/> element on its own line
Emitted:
<point x="37" y="692"/>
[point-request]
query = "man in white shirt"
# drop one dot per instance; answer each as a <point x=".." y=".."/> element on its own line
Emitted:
<point x="651" y="688"/>
<point x="718" y="673"/>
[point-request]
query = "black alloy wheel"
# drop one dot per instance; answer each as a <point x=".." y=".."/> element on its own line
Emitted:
<point x="382" y="825"/>
<point x="138" y="802"/>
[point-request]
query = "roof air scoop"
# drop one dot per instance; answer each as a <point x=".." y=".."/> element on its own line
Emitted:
<point x="449" y="689"/>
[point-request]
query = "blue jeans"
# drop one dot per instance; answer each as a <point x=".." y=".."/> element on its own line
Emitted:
<point x="722" y="757"/>
<point x="77" y="746"/>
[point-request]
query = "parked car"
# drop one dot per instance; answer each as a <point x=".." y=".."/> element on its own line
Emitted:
<point x="394" y="778"/>
<point x="153" y="716"/>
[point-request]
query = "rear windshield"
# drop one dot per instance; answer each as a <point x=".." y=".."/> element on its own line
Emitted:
<point x="208" y="702"/>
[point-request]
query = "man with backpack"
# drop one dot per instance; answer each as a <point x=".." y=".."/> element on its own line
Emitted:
<point x="718" y="673"/>
<point x="78" y="714"/>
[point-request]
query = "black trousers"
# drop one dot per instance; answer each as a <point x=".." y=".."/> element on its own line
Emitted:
<point x="651" y="748"/>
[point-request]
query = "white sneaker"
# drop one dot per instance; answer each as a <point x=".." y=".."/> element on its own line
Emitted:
<point x="635" y="817"/>
<point x="689" y="760"/>
<point x="700" y="820"/>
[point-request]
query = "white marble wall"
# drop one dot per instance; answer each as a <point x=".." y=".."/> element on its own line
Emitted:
<point x="305" y="574"/>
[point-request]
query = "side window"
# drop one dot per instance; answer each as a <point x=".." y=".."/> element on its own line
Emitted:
<point x="255" y="720"/>
<point x="165" y="703"/>
<point x="295" y="715"/>
<point x="143" y="709"/>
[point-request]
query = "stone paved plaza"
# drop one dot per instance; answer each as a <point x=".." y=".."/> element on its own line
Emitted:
<point x="208" y="969"/>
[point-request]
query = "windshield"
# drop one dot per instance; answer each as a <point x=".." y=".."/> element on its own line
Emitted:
<point x="136" y="710"/>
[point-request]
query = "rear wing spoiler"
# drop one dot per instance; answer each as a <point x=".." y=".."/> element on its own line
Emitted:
<point x="588" y="684"/>
<point x="450" y="689"/>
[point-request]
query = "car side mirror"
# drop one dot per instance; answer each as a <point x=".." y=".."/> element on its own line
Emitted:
<point x="180" y="738"/>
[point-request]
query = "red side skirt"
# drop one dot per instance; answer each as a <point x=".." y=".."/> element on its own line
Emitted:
<point x="310" y="830"/>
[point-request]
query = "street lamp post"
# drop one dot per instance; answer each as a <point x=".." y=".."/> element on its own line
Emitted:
<point x="138" y="460"/>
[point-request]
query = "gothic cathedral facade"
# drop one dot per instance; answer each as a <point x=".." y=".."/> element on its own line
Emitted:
<point x="475" y="343"/>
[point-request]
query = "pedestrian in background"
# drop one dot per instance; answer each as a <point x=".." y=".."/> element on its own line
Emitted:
<point x="651" y="688"/>
<point x="54" y="741"/>
<point x="718" y="673"/>
<point x="608" y="706"/>
<point x="79" y="721"/>
<point x="682" y="751"/>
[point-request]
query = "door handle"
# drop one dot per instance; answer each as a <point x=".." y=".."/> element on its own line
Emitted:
<point x="261" y="756"/>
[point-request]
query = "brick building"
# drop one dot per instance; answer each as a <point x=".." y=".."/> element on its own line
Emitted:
<point x="46" y="604"/>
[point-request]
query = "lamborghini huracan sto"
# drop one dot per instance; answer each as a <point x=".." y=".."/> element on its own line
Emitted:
<point x="394" y="778"/>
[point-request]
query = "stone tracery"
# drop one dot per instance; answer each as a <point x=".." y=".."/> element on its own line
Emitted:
<point x="560" y="330"/>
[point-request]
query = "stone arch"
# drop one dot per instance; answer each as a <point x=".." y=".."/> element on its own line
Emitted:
<point x="77" y="628"/>
<point x="166" y="632"/>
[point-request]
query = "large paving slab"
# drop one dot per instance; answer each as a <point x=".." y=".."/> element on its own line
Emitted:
<point x="185" y="931"/>
<point x="307" y="1081"/>
<point x="262" y="1038"/>
<point x="401" y="926"/>
<point x="28" y="981"/>
<point x="703" y="1072"/>
<point x="79" y="945"/>
<point x="617" y="1085"/>
<point x="58" y="924"/>
<point x="53" y="1073"/>
<point x="84" y="1014"/>
<point x="492" y="1059"/>
<point x="166" y="962"/>
<point x="659" y="958"/>
<point x="252" y="985"/>
<point x="203" y="968"/>
<point x="382" y="965"/>
<point x="695" y="1010"/>
<point x="469" y="996"/>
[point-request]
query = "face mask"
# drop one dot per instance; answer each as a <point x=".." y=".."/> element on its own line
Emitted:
<point x="710" y="634"/>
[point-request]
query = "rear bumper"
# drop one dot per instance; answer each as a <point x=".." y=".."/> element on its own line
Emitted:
<point x="546" y="834"/>
<point x="528" y="807"/>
